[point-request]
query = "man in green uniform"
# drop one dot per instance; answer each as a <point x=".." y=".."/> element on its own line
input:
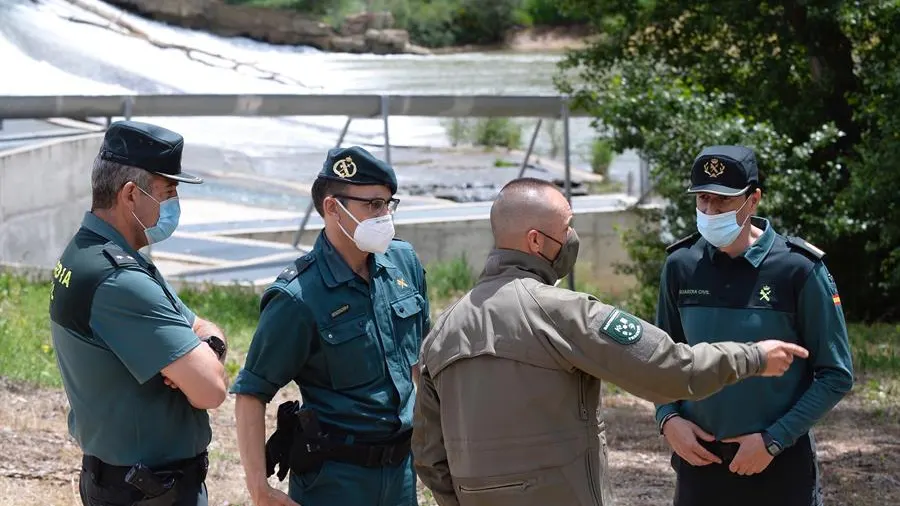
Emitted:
<point x="139" y="368"/>
<point x="345" y="323"/>
<point x="508" y="407"/>
<point x="750" y="443"/>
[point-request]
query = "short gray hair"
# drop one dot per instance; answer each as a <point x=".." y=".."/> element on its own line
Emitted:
<point x="108" y="177"/>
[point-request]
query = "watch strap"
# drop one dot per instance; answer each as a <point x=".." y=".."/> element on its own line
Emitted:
<point x="772" y="446"/>
<point x="217" y="344"/>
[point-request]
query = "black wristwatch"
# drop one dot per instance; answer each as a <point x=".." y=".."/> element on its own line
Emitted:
<point x="217" y="345"/>
<point x="772" y="446"/>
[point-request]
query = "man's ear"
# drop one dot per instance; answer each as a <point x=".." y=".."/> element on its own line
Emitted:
<point x="758" y="194"/>
<point x="128" y="194"/>
<point x="534" y="241"/>
<point x="329" y="206"/>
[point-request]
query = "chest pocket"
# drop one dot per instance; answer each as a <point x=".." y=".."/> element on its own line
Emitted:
<point x="352" y="353"/>
<point x="406" y="317"/>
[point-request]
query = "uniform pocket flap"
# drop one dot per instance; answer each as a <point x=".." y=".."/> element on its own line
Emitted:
<point x="345" y="330"/>
<point x="409" y="306"/>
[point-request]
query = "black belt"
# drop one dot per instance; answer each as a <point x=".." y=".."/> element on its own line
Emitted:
<point x="192" y="469"/>
<point x="387" y="453"/>
<point x="725" y="451"/>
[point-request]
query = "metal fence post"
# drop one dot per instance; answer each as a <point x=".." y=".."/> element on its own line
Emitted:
<point x="537" y="129"/>
<point x="127" y="107"/>
<point x="385" y="111"/>
<point x="568" y="161"/>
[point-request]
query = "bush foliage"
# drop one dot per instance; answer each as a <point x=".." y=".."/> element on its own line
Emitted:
<point x="812" y="87"/>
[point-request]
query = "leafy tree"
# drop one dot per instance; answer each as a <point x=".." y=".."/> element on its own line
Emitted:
<point x="813" y="87"/>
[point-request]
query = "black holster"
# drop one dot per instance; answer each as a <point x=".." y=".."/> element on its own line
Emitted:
<point x="301" y="444"/>
<point x="160" y="487"/>
<point x="278" y="447"/>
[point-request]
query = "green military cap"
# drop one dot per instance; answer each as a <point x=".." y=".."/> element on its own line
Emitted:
<point x="724" y="170"/>
<point x="149" y="147"/>
<point x="355" y="165"/>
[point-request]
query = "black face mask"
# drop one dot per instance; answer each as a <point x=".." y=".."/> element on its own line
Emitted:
<point x="568" y="254"/>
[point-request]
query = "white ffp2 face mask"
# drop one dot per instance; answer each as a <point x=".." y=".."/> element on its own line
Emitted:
<point x="373" y="235"/>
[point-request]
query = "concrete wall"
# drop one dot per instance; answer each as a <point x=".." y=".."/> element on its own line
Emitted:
<point x="600" y="250"/>
<point x="45" y="189"/>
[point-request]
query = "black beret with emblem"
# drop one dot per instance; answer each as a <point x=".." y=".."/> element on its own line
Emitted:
<point x="724" y="170"/>
<point x="355" y="165"/>
<point x="149" y="147"/>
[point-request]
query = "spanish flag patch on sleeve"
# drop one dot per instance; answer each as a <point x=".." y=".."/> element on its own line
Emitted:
<point x="836" y="299"/>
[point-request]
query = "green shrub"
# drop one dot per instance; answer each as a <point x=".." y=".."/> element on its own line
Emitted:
<point x="601" y="156"/>
<point x="501" y="132"/>
<point x="487" y="132"/>
<point x="551" y="12"/>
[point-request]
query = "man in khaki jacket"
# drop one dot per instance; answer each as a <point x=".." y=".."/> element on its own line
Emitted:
<point x="507" y="410"/>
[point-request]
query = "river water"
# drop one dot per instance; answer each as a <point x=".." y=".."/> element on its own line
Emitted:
<point x="51" y="47"/>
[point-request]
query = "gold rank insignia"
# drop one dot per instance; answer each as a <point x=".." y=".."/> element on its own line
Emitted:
<point x="344" y="168"/>
<point x="764" y="293"/>
<point x="401" y="283"/>
<point x="713" y="168"/>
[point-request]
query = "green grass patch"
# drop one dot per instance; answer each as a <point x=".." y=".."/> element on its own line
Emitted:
<point x="875" y="348"/>
<point x="447" y="281"/>
<point x="26" y="349"/>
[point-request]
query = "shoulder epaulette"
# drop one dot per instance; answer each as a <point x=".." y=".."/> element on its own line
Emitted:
<point x="683" y="242"/>
<point x="118" y="256"/>
<point x="803" y="245"/>
<point x="292" y="271"/>
<point x="403" y="243"/>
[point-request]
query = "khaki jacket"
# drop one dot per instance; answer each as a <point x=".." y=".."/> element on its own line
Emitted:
<point x="508" y="405"/>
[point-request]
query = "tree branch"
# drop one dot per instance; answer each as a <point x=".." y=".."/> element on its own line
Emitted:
<point x="831" y="62"/>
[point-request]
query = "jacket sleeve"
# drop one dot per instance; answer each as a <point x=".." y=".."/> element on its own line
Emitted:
<point x="613" y="345"/>
<point x="823" y="332"/>
<point x="429" y="453"/>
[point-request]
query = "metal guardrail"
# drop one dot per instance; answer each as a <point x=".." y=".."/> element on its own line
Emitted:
<point x="263" y="105"/>
<point x="356" y="106"/>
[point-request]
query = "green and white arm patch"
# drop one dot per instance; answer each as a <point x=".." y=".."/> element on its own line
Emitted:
<point x="622" y="327"/>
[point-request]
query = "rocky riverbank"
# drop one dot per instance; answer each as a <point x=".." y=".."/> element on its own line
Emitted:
<point x="361" y="33"/>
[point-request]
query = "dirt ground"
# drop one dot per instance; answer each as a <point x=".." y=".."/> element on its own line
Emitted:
<point x="859" y="447"/>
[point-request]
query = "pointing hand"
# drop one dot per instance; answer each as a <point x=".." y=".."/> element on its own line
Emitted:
<point x="779" y="356"/>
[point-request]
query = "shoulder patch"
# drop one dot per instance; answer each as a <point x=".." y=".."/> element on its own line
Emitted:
<point x="684" y="242"/>
<point x="117" y="256"/>
<point x="292" y="271"/>
<point x="803" y="245"/>
<point x="622" y="327"/>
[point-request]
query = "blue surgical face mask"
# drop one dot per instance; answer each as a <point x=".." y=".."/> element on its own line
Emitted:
<point x="720" y="230"/>
<point x="169" y="212"/>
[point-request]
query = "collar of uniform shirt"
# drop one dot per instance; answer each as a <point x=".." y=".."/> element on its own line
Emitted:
<point x="501" y="260"/>
<point x="757" y="251"/>
<point x="338" y="272"/>
<point x="100" y="227"/>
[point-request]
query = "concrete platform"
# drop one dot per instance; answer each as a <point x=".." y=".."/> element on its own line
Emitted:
<point x="212" y="244"/>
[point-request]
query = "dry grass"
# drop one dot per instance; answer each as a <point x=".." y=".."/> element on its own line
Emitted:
<point x="859" y="445"/>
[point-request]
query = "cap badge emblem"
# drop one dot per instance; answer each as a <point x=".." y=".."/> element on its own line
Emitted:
<point x="713" y="168"/>
<point x="344" y="168"/>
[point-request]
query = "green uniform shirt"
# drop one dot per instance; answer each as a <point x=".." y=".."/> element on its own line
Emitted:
<point x="778" y="289"/>
<point x="349" y="345"/>
<point x="115" y="324"/>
